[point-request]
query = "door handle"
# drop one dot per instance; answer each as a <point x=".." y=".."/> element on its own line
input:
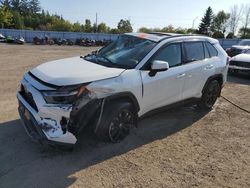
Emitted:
<point x="181" y="75"/>
<point x="209" y="67"/>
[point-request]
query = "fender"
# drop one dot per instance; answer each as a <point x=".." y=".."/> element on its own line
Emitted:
<point x="124" y="96"/>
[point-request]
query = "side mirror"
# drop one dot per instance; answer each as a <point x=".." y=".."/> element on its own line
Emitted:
<point x="158" y="66"/>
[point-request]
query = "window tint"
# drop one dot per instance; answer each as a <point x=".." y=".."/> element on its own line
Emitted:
<point x="247" y="52"/>
<point x="211" y="49"/>
<point x="194" y="51"/>
<point x="206" y="51"/>
<point x="170" y="54"/>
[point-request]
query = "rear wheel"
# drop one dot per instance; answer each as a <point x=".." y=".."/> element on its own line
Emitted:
<point x="210" y="95"/>
<point x="117" y="120"/>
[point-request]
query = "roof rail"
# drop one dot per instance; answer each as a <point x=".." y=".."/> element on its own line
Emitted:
<point x="163" y="34"/>
<point x="181" y="35"/>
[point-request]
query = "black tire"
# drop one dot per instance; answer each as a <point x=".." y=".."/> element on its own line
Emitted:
<point x="210" y="95"/>
<point x="117" y="120"/>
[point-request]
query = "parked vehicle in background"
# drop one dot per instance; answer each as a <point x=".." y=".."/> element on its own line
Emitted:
<point x="240" y="62"/>
<point x="19" y="40"/>
<point x="38" y="40"/>
<point x="2" y="38"/>
<point x="10" y="39"/>
<point x="239" y="48"/>
<point x="108" y="90"/>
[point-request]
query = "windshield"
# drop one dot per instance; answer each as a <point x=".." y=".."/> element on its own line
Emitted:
<point x="244" y="43"/>
<point x="126" y="52"/>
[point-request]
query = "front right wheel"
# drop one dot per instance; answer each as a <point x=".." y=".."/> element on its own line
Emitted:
<point x="117" y="120"/>
<point x="210" y="95"/>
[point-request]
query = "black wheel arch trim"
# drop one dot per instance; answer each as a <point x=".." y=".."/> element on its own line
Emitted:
<point x="124" y="95"/>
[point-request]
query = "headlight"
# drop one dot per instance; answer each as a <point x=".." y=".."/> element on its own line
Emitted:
<point x="66" y="96"/>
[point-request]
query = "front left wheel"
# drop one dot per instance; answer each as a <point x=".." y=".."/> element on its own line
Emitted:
<point x="117" y="120"/>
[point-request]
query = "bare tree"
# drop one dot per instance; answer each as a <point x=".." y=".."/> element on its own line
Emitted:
<point x="235" y="17"/>
<point x="246" y="18"/>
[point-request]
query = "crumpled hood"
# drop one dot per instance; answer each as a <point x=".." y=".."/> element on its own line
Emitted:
<point x="241" y="47"/>
<point x="73" y="71"/>
<point x="241" y="57"/>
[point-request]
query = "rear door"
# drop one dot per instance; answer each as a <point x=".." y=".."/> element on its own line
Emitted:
<point x="199" y="67"/>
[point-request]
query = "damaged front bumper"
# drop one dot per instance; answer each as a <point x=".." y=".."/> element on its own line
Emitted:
<point x="42" y="128"/>
<point x="53" y="123"/>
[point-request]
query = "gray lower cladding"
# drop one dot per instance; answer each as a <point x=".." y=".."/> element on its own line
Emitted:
<point x="80" y="117"/>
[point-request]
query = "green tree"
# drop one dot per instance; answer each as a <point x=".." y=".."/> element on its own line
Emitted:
<point x="24" y="7"/>
<point x="220" y="22"/>
<point x="168" y="29"/>
<point x="206" y="21"/>
<point x="244" y="32"/>
<point x="16" y="5"/>
<point x="34" y="6"/>
<point x="180" y="30"/>
<point x="218" y="35"/>
<point x="192" y="31"/>
<point x="246" y="21"/>
<point x="87" y="27"/>
<point x="76" y="27"/>
<point x="6" y="3"/>
<point x="145" y="30"/>
<point x="114" y="31"/>
<point x="103" y="28"/>
<point x="18" y="20"/>
<point x="230" y="35"/>
<point x="60" y="25"/>
<point x="124" y="26"/>
<point x="5" y="17"/>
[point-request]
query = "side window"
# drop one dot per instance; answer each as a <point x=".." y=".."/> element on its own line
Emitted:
<point x="207" y="55"/>
<point x="170" y="54"/>
<point x="211" y="49"/>
<point x="247" y="52"/>
<point x="194" y="51"/>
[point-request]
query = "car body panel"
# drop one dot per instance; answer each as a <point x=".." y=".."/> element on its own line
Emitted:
<point x="162" y="89"/>
<point x="241" y="57"/>
<point x="73" y="71"/>
<point x="240" y="62"/>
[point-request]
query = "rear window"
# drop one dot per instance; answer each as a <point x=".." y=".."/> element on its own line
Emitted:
<point x="211" y="49"/>
<point x="194" y="51"/>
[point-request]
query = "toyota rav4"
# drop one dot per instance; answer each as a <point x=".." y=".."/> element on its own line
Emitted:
<point x="114" y="86"/>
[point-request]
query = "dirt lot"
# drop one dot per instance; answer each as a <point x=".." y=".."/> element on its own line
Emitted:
<point x="182" y="147"/>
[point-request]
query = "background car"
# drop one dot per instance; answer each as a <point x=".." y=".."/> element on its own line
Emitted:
<point x="240" y="62"/>
<point x="2" y="38"/>
<point x="238" y="49"/>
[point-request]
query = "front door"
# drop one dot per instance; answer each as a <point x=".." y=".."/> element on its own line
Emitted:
<point x="165" y="87"/>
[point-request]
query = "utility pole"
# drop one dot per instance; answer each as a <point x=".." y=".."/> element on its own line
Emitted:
<point x="96" y="17"/>
<point x="194" y="21"/>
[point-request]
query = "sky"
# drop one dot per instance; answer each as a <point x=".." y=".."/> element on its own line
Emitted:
<point x="148" y="13"/>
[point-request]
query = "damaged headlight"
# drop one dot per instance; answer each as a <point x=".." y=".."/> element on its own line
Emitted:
<point x="65" y="95"/>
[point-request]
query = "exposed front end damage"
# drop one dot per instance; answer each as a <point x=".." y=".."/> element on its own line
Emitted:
<point x="53" y="123"/>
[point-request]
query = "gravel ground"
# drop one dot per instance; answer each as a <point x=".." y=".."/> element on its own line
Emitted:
<point x="182" y="147"/>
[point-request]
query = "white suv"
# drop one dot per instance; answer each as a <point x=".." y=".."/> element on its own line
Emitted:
<point x="110" y="88"/>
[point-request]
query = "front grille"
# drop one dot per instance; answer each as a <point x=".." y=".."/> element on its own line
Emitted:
<point x="29" y="98"/>
<point x="240" y="64"/>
